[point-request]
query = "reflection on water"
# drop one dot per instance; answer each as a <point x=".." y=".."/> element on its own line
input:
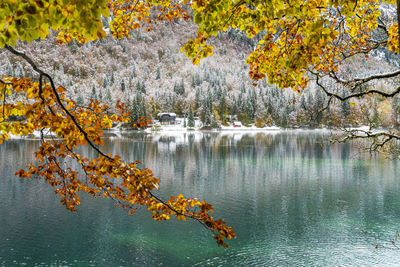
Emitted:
<point x="293" y="199"/>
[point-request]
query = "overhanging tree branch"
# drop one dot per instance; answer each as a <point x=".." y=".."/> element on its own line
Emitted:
<point x="58" y="99"/>
<point x="200" y="216"/>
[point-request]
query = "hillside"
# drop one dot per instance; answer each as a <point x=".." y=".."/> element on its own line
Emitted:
<point x="150" y="73"/>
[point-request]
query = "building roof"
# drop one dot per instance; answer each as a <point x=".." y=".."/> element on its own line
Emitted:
<point x="165" y="113"/>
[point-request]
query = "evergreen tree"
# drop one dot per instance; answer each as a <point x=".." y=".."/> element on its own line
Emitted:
<point x="94" y="93"/>
<point x="9" y="70"/>
<point x="284" y="117"/>
<point x="214" y="122"/>
<point x="133" y="71"/>
<point x="138" y="87"/>
<point x="319" y="105"/>
<point x="345" y="105"/>
<point x="105" y="83"/>
<point x="310" y="99"/>
<point x="303" y="103"/>
<point x="190" y="118"/>
<point x="197" y="99"/>
<point x="196" y="80"/>
<point x="176" y="89"/>
<point x="143" y="88"/>
<point x="77" y="73"/>
<point x="222" y="108"/>
<point x="207" y="118"/>
<point x="18" y="71"/>
<point x="158" y="73"/>
<point x="396" y="109"/>
<point x="182" y="87"/>
<point x="233" y="109"/>
<point x="80" y="100"/>
<point x="100" y="97"/>
<point x="138" y="107"/>
<point x="124" y="46"/>
<point x="179" y="88"/>
<point x="123" y="85"/>
<point x="376" y="120"/>
<point x="108" y="96"/>
<point x="112" y="77"/>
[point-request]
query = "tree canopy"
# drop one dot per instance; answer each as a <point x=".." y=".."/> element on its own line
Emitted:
<point x="297" y="41"/>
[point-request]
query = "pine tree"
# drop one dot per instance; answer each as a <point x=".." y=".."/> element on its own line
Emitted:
<point x="175" y="88"/>
<point x="345" y="108"/>
<point x="376" y="120"/>
<point x="138" y="107"/>
<point x="143" y="88"/>
<point x="77" y="73"/>
<point x="319" y="105"/>
<point x="124" y="46"/>
<point x="190" y="118"/>
<point x="284" y="117"/>
<point x="123" y="85"/>
<point x="214" y="122"/>
<point x="138" y="87"/>
<point x="9" y="70"/>
<point x="80" y="100"/>
<point x="222" y="108"/>
<point x="196" y="80"/>
<point x="396" y="109"/>
<point x="158" y="73"/>
<point x="207" y="118"/>
<point x="303" y="103"/>
<point x="94" y="93"/>
<point x="130" y="83"/>
<point x="105" y="82"/>
<point x="182" y="87"/>
<point x="108" y="96"/>
<point x="133" y="72"/>
<point x="112" y="77"/>
<point x="179" y="88"/>
<point x="197" y="99"/>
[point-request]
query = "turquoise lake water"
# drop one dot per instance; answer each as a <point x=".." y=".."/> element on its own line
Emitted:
<point x="293" y="199"/>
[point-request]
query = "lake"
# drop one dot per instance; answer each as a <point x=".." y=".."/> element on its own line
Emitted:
<point x="293" y="199"/>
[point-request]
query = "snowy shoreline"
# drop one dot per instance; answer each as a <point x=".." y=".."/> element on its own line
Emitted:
<point x="174" y="130"/>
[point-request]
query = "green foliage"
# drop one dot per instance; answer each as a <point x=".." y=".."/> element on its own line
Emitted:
<point x="260" y="123"/>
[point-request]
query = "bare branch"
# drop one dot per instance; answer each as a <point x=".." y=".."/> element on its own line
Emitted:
<point x="356" y="95"/>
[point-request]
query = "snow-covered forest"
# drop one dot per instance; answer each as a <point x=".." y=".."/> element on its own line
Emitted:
<point x="149" y="73"/>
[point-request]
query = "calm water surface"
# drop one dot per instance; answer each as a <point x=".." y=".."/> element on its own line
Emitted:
<point x="293" y="199"/>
